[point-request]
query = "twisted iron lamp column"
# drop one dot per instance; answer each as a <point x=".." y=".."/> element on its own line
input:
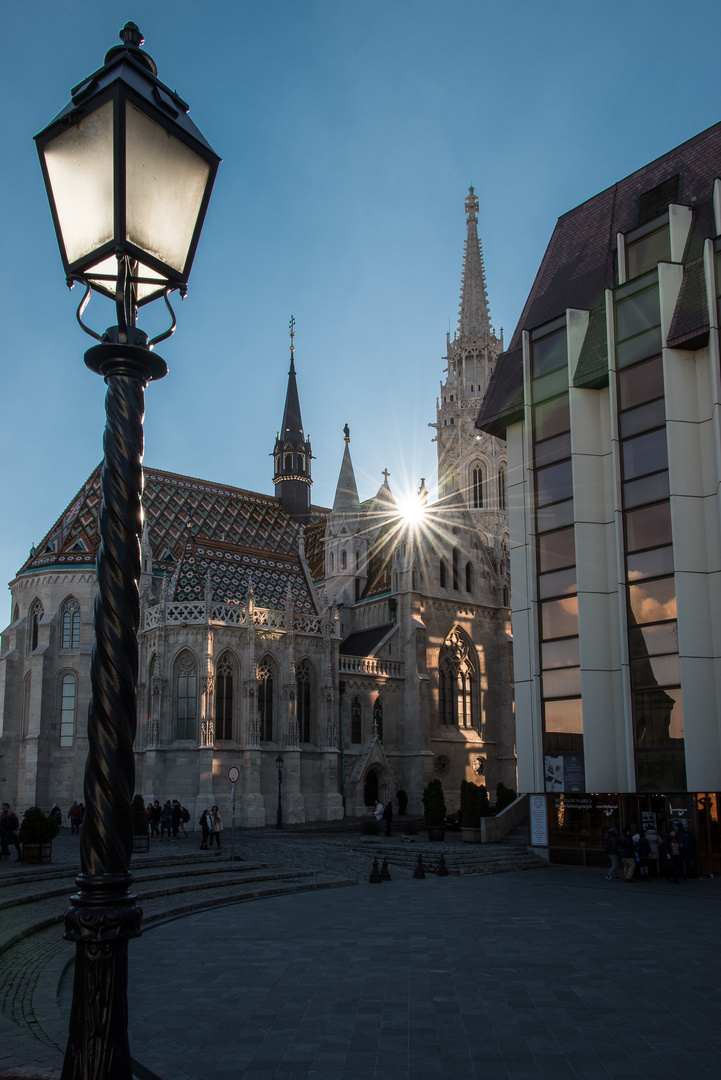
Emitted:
<point x="104" y="914"/>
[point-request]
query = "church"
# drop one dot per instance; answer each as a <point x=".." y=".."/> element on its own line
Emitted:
<point x="353" y="650"/>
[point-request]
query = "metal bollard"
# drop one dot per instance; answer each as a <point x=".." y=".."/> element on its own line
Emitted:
<point x="442" y="870"/>
<point x="375" y="874"/>
<point x="419" y="871"/>
<point x="385" y="872"/>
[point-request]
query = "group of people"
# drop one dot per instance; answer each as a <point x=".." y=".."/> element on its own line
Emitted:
<point x="644" y="855"/>
<point x="167" y="820"/>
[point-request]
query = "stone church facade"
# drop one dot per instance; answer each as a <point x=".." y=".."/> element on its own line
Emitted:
<point x="360" y="648"/>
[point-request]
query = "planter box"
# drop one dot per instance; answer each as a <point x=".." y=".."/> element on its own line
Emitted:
<point x="38" y="853"/>
<point x="141" y="845"/>
<point x="436" y="832"/>
<point x="471" y="836"/>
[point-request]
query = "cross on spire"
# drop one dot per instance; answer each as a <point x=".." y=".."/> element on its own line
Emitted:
<point x="291" y="327"/>
<point x="385" y="474"/>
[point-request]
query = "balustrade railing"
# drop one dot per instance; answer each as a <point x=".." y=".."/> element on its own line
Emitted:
<point x="369" y="665"/>
<point x="196" y="613"/>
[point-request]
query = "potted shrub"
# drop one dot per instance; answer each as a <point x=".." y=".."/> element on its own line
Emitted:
<point x="141" y="839"/>
<point x="504" y="796"/>
<point x="434" y="810"/>
<point x="36" y="834"/>
<point x="474" y="806"/>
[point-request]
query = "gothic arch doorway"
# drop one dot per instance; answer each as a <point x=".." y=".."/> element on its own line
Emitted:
<point x="370" y="788"/>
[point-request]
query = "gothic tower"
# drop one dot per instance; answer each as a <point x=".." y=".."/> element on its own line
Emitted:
<point x="292" y="455"/>
<point x="470" y="461"/>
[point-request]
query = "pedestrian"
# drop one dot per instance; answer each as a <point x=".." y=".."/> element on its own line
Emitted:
<point x="388" y="817"/>
<point x="216" y="827"/>
<point x="155" y="818"/>
<point x="166" y="819"/>
<point x="685" y="858"/>
<point x="75" y="815"/>
<point x="643" y="850"/>
<point x="654" y="843"/>
<point x="149" y="815"/>
<point x="671" y="856"/>
<point x="628" y="854"/>
<point x="402" y="801"/>
<point x="206" y="824"/>
<point x="176" y="815"/>
<point x="610" y="846"/>
<point x="184" y="819"/>
<point x="57" y="813"/>
<point x="9" y="826"/>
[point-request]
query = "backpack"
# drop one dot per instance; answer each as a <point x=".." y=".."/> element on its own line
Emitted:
<point x="185" y="814"/>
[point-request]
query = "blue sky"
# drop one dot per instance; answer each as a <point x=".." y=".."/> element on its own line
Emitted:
<point x="350" y="131"/>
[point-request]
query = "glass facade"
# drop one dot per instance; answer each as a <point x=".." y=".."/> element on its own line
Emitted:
<point x="650" y="585"/>
<point x="556" y="561"/>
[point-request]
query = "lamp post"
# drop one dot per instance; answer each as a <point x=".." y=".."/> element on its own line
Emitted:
<point x="279" y="815"/>
<point x="128" y="177"/>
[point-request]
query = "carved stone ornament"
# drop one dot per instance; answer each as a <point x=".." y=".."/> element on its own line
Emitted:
<point x="442" y="765"/>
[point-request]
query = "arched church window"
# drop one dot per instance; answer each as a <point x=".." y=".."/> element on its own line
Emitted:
<point x="502" y="488"/>
<point x="16" y="613"/>
<point x="68" y="694"/>
<point x="331" y="562"/>
<point x="357" y="561"/>
<point x="506" y="597"/>
<point x="288" y="463"/>
<point x="452" y="421"/>
<point x="469" y="577"/>
<point x="378" y="718"/>
<point x="444" y="574"/>
<point x="186" y="688"/>
<point x="265" y="700"/>
<point x="70" y="624"/>
<point x="457" y="681"/>
<point x="356" y="728"/>
<point x="303" y="684"/>
<point x="224" y="698"/>
<point x="301" y="463"/>
<point x="277" y="464"/>
<point x="36" y="613"/>
<point x="456" y="567"/>
<point x="477" y="487"/>
<point x="343" y="560"/>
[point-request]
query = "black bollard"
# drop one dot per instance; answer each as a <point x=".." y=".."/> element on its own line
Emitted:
<point x="419" y="871"/>
<point x="385" y="872"/>
<point x="442" y="870"/>
<point x="375" y="874"/>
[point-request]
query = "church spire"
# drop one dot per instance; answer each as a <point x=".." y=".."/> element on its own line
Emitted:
<point x="292" y="453"/>
<point x="474" y="319"/>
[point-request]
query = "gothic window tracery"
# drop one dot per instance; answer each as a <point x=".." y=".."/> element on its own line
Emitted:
<point x="469" y="577"/>
<point x="303" y="679"/>
<point x="224" y="698"/>
<point x="70" y="624"/>
<point x="457" y="681"/>
<point x="477" y="487"/>
<point x="343" y="560"/>
<point x="378" y="718"/>
<point x="36" y="613"/>
<point x="356" y="728"/>
<point x="68" y="694"/>
<point x="444" y="574"/>
<point x="186" y="687"/>
<point x="456" y="567"/>
<point x="502" y="488"/>
<point x="265" y="700"/>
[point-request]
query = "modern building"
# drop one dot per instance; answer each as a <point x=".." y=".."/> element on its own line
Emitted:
<point x="609" y="396"/>
<point x="366" y="649"/>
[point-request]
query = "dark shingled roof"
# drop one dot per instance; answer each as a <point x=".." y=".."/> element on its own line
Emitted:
<point x="364" y="642"/>
<point x="579" y="265"/>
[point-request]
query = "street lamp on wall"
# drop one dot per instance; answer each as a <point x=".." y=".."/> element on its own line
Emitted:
<point x="279" y="815"/>
<point x="128" y="177"/>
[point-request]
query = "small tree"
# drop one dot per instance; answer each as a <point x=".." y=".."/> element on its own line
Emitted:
<point x="504" y="796"/>
<point x="37" y="827"/>
<point x="434" y="805"/>
<point x="137" y="813"/>
<point x="474" y="804"/>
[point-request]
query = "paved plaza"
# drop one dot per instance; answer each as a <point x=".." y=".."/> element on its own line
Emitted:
<point x="515" y="976"/>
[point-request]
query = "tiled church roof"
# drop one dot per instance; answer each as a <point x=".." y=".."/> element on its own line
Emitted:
<point x="195" y="526"/>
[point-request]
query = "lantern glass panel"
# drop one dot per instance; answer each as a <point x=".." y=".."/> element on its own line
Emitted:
<point x="143" y="290"/>
<point x="165" y="184"/>
<point x="80" y="167"/>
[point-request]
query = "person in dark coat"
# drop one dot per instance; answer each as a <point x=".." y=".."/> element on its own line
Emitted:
<point x="176" y="815"/>
<point x="402" y="801"/>
<point x="388" y="817"/>
<point x="643" y="850"/>
<point x="610" y="846"/>
<point x="671" y="857"/>
<point x="155" y="817"/>
<point x="166" y="819"/>
<point x="9" y="826"/>
<point x="628" y="854"/>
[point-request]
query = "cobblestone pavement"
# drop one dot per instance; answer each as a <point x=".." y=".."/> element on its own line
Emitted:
<point x="555" y="973"/>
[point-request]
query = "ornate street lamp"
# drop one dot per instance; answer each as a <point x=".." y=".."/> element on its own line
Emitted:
<point x="129" y="177"/>
<point x="279" y="815"/>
